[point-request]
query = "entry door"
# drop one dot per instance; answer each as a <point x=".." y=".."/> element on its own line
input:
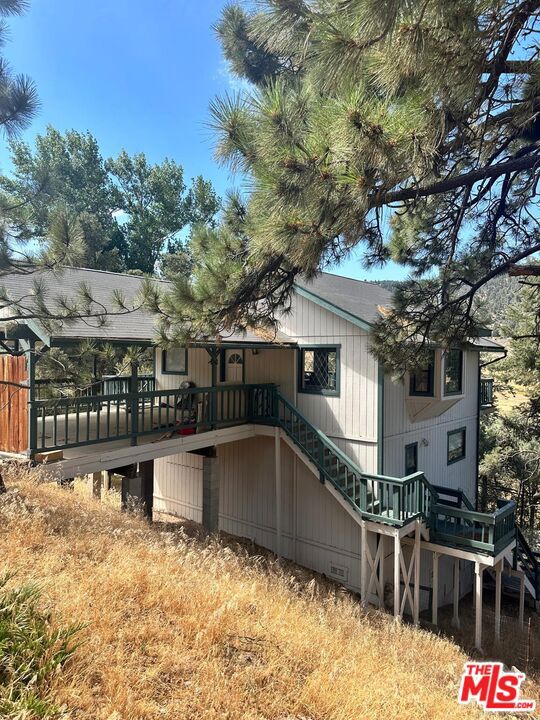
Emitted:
<point x="234" y="366"/>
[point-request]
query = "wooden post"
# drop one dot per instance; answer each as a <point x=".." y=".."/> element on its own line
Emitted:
<point x="32" y="415"/>
<point x="417" y="551"/>
<point x="521" y="600"/>
<point x="134" y="404"/>
<point x="214" y="353"/>
<point x="363" y="563"/>
<point x="397" y="571"/>
<point x="210" y="513"/>
<point x="435" y="589"/>
<point x="146" y="472"/>
<point x="498" y="590"/>
<point x="455" y="618"/>
<point x="277" y="467"/>
<point x="381" y="572"/>
<point x="96" y="484"/>
<point x="479" y="571"/>
<point x="295" y="505"/>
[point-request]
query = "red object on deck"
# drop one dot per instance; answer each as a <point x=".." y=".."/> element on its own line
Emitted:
<point x="186" y="430"/>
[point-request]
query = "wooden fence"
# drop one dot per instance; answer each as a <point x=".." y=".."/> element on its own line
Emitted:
<point x="13" y="404"/>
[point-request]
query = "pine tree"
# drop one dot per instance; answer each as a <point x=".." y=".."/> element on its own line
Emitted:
<point x="407" y="128"/>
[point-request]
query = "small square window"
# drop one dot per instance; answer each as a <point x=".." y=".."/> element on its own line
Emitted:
<point x="421" y="382"/>
<point x="411" y="459"/>
<point x="456" y="445"/>
<point x="319" y="370"/>
<point x="175" y="361"/>
<point x="453" y="372"/>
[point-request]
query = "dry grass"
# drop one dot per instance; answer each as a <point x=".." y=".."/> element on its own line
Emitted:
<point x="190" y="628"/>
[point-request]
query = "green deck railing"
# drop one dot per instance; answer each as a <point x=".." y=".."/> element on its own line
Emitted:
<point x="67" y="423"/>
<point x="64" y="423"/>
<point x="397" y="501"/>
<point x="486" y="392"/>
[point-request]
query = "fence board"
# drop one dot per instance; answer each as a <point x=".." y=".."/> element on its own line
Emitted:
<point x="13" y="404"/>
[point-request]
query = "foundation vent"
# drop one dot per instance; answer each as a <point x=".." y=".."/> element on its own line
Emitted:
<point x="339" y="572"/>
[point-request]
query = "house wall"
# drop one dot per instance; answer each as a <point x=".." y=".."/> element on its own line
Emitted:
<point x="431" y="434"/>
<point x="267" y="365"/>
<point x="349" y="419"/>
<point x="317" y="532"/>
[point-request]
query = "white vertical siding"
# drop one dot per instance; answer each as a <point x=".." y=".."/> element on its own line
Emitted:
<point x="316" y="531"/>
<point x="350" y="419"/>
<point x="199" y="370"/>
<point x="431" y="434"/>
<point x="178" y="486"/>
<point x="272" y="365"/>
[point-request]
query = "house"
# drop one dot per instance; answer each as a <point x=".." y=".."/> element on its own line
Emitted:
<point x="299" y="441"/>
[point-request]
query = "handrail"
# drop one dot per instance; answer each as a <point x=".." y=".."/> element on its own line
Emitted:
<point x="72" y="422"/>
<point x="529" y="561"/>
<point x="392" y="500"/>
<point x="486" y="392"/>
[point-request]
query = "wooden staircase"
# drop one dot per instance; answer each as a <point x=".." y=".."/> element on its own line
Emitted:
<point x="449" y="515"/>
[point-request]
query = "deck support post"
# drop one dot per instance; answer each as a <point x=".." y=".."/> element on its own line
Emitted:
<point x="96" y="484"/>
<point x="479" y="576"/>
<point x="521" y="600"/>
<point x="146" y="473"/>
<point x="210" y="513"/>
<point x="397" y="576"/>
<point x="295" y="507"/>
<point x="277" y="468"/>
<point x="417" y="550"/>
<point x="435" y="589"/>
<point x="30" y="351"/>
<point x="455" y="617"/>
<point x="381" y="572"/>
<point x="363" y="563"/>
<point x="134" y="402"/>
<point x="498" y="589"/>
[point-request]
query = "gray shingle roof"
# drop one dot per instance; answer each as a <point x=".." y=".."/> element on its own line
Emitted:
<point x="136" y="326"/>
<point x="357" y="297"/>
<point x="66" y="282"/>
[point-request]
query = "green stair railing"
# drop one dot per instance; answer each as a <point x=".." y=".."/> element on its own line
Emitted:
<point x="528" y="560"/>
<point x="395" y="501"/>
<point x="398" y="501"/>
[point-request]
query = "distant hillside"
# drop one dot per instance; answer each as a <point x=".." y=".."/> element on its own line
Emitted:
<point x="494" y="297"/>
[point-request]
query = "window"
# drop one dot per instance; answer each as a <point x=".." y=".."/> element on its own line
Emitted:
<point x="319" y="370"/>
<point x="456" y="445"/>
<point x="411" y="458"/>
<point x="453" y="372"/>
<point x="175" y="361"/>
<point x="421" y="382"/>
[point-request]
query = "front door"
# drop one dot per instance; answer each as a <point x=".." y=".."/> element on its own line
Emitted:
<point x="234" y="366"/>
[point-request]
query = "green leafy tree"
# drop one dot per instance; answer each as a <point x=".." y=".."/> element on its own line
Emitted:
<point x="406" y="128"/>
<point x="65" y="174"/>
<point x="157" y="206"/>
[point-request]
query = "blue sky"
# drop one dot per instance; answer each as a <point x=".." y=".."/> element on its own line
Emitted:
<point x="138" y="74"/>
